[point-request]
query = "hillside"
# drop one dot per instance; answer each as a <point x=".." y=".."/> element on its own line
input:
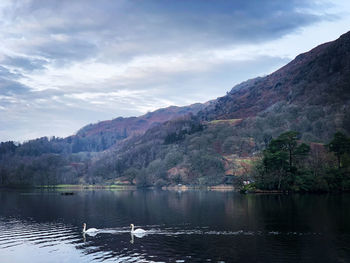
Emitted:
<point x="318" y="77"/>
<point x="310" y="95"/>
<point x="138" y="125"/>
<point x="203" y="143"/>
<point x="102" y="135"/>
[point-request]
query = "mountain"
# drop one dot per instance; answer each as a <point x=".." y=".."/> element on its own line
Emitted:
<point x="125" y="127"/>
<point x="202" y="143"/>
<point x="102" y="135"/>
<point x="319" y="77"/>
<point x="310" y="95"/>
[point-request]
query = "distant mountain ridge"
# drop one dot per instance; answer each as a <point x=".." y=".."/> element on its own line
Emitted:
<point x="103" y="135"/>
<point x="137" y="125"/>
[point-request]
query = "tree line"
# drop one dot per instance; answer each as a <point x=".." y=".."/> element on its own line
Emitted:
<point x="288" y="164"/>
<point x="185" y="151"/>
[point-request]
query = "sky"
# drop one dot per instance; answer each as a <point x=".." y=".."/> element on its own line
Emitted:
<point x="67" y="63"/>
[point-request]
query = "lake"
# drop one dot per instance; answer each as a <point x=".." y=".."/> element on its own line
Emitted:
<point x="190" y="226"/>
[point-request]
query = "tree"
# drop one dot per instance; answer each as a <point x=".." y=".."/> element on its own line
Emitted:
<point x="282" y="155"/>
<point x="275" y="166"/>
<point x="340" y="145"/>
<point x="130" y="174"/>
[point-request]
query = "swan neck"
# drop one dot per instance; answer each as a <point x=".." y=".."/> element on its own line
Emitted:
<point x="132" y="228"/>
<point x="84" y="228"/>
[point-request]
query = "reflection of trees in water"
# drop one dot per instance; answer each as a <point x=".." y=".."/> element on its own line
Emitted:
<point x="294" y="219"/>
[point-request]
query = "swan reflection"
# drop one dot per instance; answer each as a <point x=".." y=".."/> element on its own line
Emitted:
<point x="138" y="235"/>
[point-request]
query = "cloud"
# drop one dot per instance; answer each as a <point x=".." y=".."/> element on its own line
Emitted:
<point x="24" y="63"/>
<point x="7" y="74"/>
<point x="67" y="63"/>
<point x="9" y="87"/>
<point x="66" y="30"/>
<point x="8" y="83"/>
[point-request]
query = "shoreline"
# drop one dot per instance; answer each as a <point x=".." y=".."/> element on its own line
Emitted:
<point x="63" y="187"/>
<point x="178" y="188"/>
<point x="71" y="187"/>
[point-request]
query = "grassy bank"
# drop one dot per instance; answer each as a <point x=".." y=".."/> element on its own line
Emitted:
<point x="72" y="187"/>
<point x="84" y="186"/>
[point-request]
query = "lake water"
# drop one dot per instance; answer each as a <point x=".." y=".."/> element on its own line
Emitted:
<point x="192" y="226"/>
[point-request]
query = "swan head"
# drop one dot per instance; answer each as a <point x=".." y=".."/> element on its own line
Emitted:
<point x="131" y="225"/>
<point x="84" y="225"/>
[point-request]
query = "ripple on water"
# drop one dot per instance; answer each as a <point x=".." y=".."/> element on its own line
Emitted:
<point x="118" y="245"/>
<point x="14" y="233"/>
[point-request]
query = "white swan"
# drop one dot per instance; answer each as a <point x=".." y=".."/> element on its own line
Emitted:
<point x="90" y="230"/>
<point x="137" y="231"/>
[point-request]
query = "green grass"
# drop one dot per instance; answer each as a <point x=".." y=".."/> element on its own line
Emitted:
<point x="246" y="160"/>
<point x="229" y="121"/>
<point x="84" y="186"/>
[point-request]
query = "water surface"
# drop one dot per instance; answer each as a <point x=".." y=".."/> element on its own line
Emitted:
<point x="192" y="226"/>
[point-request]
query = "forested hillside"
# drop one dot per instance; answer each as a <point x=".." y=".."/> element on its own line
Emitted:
<point x="203" y="144"/>
<point x="311" y="94"/>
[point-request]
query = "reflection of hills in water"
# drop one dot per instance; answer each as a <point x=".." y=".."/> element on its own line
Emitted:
<point x="194" y="226"/>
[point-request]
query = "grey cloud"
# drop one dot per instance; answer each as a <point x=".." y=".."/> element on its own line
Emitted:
<point x="7" y="74"/>
<point x="24" y="63"/>
<point x="8" y="83"/>
<point x="129" y="28"/>
<point x="74" y="49"/>
<point x="60" y="32"/>
<point x="189" y="87"/>
<point x="10" y="87"/>
<point x="20" y="121"/>
<point x="14" y="93"/>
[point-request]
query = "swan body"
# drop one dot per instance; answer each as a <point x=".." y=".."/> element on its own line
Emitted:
<point x="90" y="230"/>
<point x="137" y="231"/>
